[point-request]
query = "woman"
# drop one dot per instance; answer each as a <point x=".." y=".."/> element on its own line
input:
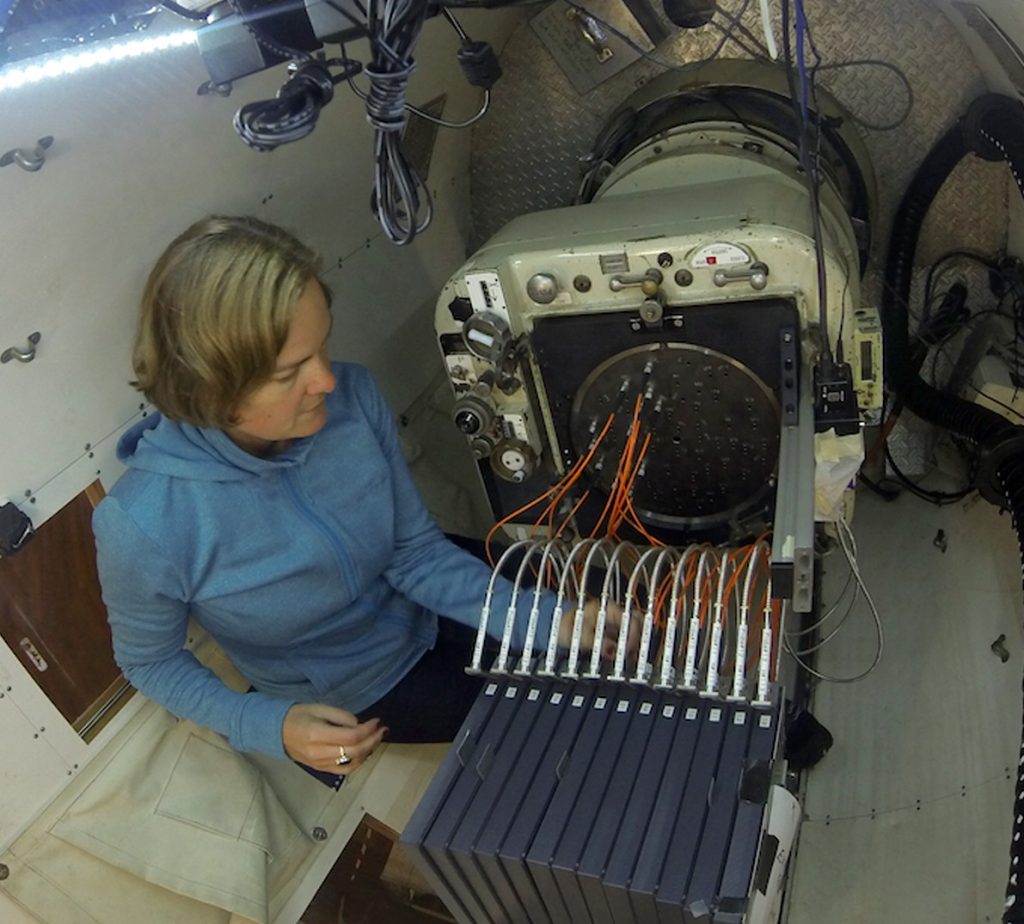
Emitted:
<point x="269" y="500"/>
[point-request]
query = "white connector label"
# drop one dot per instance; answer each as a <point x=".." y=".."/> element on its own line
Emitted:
<point x="485" y="293"/>
<point x="556" y="698"/>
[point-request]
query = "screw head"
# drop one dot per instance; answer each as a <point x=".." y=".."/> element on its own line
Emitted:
<point x="582" y="283"/>
<point x="319" y="834"/>
<point x="684" y="277"/>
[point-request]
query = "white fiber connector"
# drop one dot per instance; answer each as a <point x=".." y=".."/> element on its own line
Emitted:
<point x="552" y="553"/>
<point x="643" y="666"/>
<point x="622" y="643"/>
<point x="501" y="665"/>
<point x="711" y="678"/>
<point x="667" y="675"/>
<point x="551" y="653"/>
<point x="764" y="666"/>
<point x="594" y="672"/>
<point x="614" y="572"/>
<point x="739" y="674"/>
<point x="689" y="681"/>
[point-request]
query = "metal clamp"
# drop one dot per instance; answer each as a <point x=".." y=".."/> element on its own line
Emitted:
<point x="755" y="273"/>
<point x="22" y="356"/>
<point x="28" y="160"/>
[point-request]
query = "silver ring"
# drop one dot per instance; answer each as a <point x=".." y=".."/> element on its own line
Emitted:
<point x="342" y="758"/>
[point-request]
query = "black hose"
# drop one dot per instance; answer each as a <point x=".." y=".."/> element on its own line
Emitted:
<point x="992" y="128"/>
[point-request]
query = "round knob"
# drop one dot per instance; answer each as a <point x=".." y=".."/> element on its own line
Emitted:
<point x="468" y="422"/>
<point x="542" y="288"/>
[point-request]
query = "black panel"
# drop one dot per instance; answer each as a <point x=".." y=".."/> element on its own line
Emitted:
<point x="711" y="376"/>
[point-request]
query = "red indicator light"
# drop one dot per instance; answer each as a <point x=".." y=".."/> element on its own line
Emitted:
<point x="712" y="261"/>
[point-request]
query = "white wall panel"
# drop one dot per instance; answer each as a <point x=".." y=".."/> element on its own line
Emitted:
<point x="137" y="157"/>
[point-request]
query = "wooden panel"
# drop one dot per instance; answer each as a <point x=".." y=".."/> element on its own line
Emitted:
<point x="52" y="615"/>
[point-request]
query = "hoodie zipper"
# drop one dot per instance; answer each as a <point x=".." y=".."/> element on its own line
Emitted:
<point x="340" y="553"/>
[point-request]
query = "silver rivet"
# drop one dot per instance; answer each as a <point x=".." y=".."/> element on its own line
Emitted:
<point x="319" y="834"/>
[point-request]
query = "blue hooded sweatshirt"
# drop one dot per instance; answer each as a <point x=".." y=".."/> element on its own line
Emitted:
<point x="318" y="570"/>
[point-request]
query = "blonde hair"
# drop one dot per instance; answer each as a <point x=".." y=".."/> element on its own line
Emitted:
<point x="215" y="315"/>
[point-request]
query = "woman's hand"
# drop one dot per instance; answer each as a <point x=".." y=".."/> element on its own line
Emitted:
<point x="314" y="735"/>
<point x="612" y="623"/>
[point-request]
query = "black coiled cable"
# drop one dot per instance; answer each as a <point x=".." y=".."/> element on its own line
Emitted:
<point x="293" y="113"/>
<point x="400" y="199"/>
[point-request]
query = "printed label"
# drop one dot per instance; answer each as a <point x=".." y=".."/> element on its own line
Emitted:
<point x="739" y="719"/>
<point x="623" y="705"/>
<point x="691" y="713"/>
<point x="533" y="695"/>
<point x="600" y="702"/>
<point x="646" y="708"/>
<point x="577" y="701"/>
<point x="715" y="715"/>
<point x="511" y="692"/>
<point x="492" y="688"/>
<point x="668" y="712"/>
<point x="556" y="698"/>
<point x="765" y="721"/>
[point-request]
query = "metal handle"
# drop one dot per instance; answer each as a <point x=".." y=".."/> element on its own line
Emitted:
<point x="22" y="356"/>
<point x="28" y="160"/>
<point x="652" y="279"/>
<point x="754" y="273"/>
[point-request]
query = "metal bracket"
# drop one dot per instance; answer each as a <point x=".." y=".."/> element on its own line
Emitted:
<point x="22" y="356"/>
<point x="793" y="534"/>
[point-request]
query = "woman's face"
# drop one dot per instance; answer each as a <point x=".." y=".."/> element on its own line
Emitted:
<point x="292" y="402"/>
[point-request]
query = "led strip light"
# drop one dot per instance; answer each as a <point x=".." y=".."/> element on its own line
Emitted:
<point x="64" y="64"/>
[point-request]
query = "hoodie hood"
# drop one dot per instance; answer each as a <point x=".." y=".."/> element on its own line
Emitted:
<point x="165" y="447"/>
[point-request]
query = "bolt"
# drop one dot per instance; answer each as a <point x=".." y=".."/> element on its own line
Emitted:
<point x="581" y="283"/>
<point x="319" y="834"/>
<point x="634" y="325"/>
<point x="677" y="322"/>
<point x="684" y="277"/>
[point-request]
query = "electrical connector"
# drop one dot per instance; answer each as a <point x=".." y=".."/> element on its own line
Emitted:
<point x="835" y="400"/>
<point x="479" y="63"/>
